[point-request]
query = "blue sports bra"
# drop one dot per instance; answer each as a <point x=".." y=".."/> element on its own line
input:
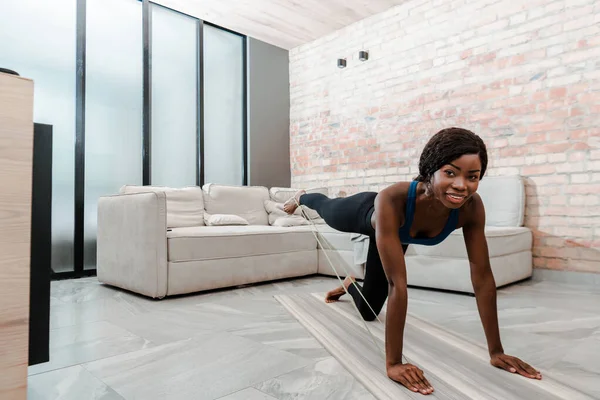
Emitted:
<point x="405" y="237"/>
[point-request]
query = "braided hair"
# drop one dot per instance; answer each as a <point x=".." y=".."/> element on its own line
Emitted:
<point x="446" y="146"/>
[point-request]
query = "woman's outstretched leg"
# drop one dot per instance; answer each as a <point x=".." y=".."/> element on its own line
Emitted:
<point x="345" y="214"/>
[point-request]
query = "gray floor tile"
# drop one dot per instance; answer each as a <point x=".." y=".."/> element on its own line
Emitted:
<point x="74" y="383"/>
<point x="248" y="394"/>
<point x="206" y="367"/>
<point x="165" y="326"/>
<point x="80" y="290"/>
<point x="104" y="308"/>
<point x="288" y="335"/>
<point x="326" y="379"/>
<point x="202" y="317"/>
<point x="78" y="344"/>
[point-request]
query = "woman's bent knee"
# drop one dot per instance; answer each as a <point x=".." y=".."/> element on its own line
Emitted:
<point x="366" y="313"/>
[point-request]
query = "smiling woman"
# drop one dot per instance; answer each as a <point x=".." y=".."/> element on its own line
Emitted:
<point x="442" y="198"/>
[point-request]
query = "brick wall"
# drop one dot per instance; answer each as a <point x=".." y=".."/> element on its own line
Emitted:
<point x="525" y="75"/>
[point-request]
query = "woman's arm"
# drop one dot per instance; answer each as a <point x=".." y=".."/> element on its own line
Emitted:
<point x="388" y="213"/>
<point x="482" y="277"/>
<point x="392" y="258"/>
<point x="484" y="287"/>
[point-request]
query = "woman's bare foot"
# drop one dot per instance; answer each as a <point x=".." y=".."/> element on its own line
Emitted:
<point x="335" y="294"/>
<point x="292" y="204"/>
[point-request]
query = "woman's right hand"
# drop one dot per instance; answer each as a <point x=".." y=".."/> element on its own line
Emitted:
<point x="410" y="376"/>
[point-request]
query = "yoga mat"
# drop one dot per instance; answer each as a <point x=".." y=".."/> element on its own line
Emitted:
<point x="457" y="367"/>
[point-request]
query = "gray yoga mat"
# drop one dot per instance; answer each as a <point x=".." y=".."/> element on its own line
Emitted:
<point x="456" y="367"/>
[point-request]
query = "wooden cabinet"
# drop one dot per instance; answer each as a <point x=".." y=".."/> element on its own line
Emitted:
<point x="16" y="152"/>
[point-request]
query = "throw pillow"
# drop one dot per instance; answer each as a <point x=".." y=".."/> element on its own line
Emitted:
<point x="289" y="220"/>
<point x="224" y="219"/>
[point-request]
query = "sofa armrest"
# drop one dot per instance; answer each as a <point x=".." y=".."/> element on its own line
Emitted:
<point x="132" y="242"/>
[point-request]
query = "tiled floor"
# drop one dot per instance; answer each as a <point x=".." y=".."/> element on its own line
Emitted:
<point x="242" y="344"/>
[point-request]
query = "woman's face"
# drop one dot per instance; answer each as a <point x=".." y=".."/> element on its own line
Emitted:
<point x="457" y="181"/>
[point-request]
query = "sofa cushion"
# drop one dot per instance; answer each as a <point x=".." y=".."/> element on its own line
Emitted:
<point x="504" y="200"/>
<point x="215" y="242"/>
<point x="245" y="201"/>
<point x="185" y="206"/>
<point x="223" y="219"/>
<point x="288" y="220"/>
<point x="500" y="240"/>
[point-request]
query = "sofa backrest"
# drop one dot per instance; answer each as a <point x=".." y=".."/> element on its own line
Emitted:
<point x="244" y="201"/>
<point x="185" y="206"/>
<point x="504" y="200"/>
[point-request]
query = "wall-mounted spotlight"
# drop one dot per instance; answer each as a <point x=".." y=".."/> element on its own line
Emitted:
<point x="341" y="63"/>
<point x="363" y="55"/>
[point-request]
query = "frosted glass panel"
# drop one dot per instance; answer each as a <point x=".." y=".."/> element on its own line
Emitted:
<point x="114" y="101"/>
<point x="38" y="40"/>
<point x="174" y="98"/>
<point x="223" y="107"/>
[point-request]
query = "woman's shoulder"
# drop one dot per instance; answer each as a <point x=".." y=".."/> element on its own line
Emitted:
<point x="398" y="194"/>
<point x="398" y="191"/>
<point x="400" y="187"/>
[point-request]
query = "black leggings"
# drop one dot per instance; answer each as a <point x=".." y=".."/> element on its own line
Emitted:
<point x="352" y="214"/>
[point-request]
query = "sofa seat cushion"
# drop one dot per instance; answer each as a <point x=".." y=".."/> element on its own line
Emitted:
<point x="501" y="241"/>
<point x="217" y="242"/>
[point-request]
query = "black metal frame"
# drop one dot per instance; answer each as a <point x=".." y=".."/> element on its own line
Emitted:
<point x="79" y="227"/>
<point x="79" y="223"/>
<point x="245" y="111"/>
<point x="41" y="245"/>
<point x="147" y="89"/>
<point x="58" y="276"/>
<point x="200" y="105"/>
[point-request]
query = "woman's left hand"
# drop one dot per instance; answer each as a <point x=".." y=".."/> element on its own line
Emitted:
<point x="514" y="365"/>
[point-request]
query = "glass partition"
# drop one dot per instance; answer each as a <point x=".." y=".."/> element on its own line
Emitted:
<point x="174" y="133"/>
<point x="38" y="41"/>
<point x="223" y="106"/>
<point x="113" y="106"/>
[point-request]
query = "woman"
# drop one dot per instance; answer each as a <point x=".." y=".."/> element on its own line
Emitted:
<point x="425" y="211"/>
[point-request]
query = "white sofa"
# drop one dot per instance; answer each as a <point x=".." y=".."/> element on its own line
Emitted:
<point x="155" y="240"/>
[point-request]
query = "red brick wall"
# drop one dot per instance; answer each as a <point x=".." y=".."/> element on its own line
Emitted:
<point x="523" y="75"/>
